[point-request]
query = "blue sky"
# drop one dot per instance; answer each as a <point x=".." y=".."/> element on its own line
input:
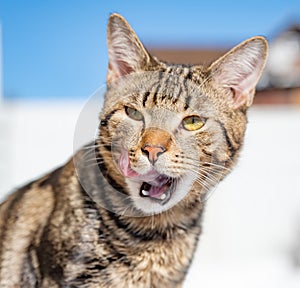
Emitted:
<point x="57" y="48"/>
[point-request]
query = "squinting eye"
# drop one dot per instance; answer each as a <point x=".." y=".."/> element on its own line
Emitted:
<point x="193" y="123"/>
<point x="134" y="114"/>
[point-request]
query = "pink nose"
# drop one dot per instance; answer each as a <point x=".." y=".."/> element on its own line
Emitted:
<point x="153" y="151"/>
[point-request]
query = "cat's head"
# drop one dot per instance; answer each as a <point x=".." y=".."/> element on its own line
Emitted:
<point x="169" y="133"/>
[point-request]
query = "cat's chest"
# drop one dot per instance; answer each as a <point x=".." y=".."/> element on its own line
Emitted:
<point x="147" y="264"/>
<point x="156" y="264"/>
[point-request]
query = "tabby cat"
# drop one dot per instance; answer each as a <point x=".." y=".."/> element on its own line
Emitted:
<point x="167" y="135"/>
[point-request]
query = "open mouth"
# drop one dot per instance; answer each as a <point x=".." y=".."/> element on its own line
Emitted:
<point x="160" y="191"/>
<point x="155" y="186"/>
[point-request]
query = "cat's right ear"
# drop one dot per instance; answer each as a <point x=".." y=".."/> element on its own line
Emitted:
<point x="239" y="70"/>
<point x="126" y="53"/>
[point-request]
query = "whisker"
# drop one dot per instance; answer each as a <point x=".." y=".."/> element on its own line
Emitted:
<point x="89" y="146"/>
<point x="205" y="162"/>
<point x="96" y="159"/>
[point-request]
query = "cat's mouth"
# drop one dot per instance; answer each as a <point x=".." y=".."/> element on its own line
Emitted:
<point x="160" y="191"/>
<point x="158" y="187"/>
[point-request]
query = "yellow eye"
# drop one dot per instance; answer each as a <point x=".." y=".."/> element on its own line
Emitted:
<point x="193" y="123"/>
<point x="134" y="114"/>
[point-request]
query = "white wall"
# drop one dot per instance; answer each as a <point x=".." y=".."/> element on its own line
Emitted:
<point x="37" y="137"/>
<point x="252" y="222"/>
<point x="1" y="66"/>
<point x="251" y="229"/>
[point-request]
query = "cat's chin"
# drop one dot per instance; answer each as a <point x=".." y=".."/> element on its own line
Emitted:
<point x="164" y="198"/>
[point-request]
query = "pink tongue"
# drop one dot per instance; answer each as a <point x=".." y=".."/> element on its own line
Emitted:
<point x="156" y="192"/>
<point x="124" y="165"/>
<point x="158" y="182"/>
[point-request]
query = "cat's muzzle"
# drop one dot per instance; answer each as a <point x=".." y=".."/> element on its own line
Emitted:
<point x="155" y="186"/>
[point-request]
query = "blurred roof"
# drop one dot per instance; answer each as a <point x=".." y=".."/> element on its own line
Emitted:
<point x="280" y="81"/>
<point x="283" y="66"/>
<point x="188" y="56"/>
<point x="282" y="69"/>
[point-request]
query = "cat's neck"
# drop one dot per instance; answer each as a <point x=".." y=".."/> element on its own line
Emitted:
<point x="168" y="225"/>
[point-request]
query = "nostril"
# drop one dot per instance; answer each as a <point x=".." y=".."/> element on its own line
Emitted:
<point x="145" y="151"/>
<point x="160" y="151"/>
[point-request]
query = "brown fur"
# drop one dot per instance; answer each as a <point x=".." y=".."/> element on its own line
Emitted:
<point x="86" y="225"/>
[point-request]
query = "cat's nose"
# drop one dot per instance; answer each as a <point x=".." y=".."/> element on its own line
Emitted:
<point x="153" y="152"/>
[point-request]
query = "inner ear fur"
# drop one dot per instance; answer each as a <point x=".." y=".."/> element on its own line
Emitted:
<point x="240" y="70"/>
<point x="126" y="52"/>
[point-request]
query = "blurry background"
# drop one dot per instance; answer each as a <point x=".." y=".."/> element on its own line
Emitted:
<point x="53" y="57"/>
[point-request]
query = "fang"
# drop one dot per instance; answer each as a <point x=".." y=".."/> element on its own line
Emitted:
<point x="145" y="193"/>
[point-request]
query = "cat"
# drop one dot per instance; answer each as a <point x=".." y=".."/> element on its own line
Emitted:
<point x="167" y="135"/>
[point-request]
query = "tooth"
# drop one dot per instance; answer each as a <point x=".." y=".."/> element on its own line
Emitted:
<point x="145" y="193"/>
<point x="163" y="197"/>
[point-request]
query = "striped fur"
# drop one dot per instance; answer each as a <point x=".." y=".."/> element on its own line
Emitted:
<point x="88" y="225"/>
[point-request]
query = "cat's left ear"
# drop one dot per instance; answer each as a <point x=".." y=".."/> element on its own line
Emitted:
<point x="125" y="51"/>
<point x="240" y="69"/>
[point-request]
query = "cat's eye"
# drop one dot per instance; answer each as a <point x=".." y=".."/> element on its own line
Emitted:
<point x="193" y="123"/>
<point x="134" y="114"/>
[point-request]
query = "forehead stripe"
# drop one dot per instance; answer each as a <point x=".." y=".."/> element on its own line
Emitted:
<point x="145" y="97"/>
